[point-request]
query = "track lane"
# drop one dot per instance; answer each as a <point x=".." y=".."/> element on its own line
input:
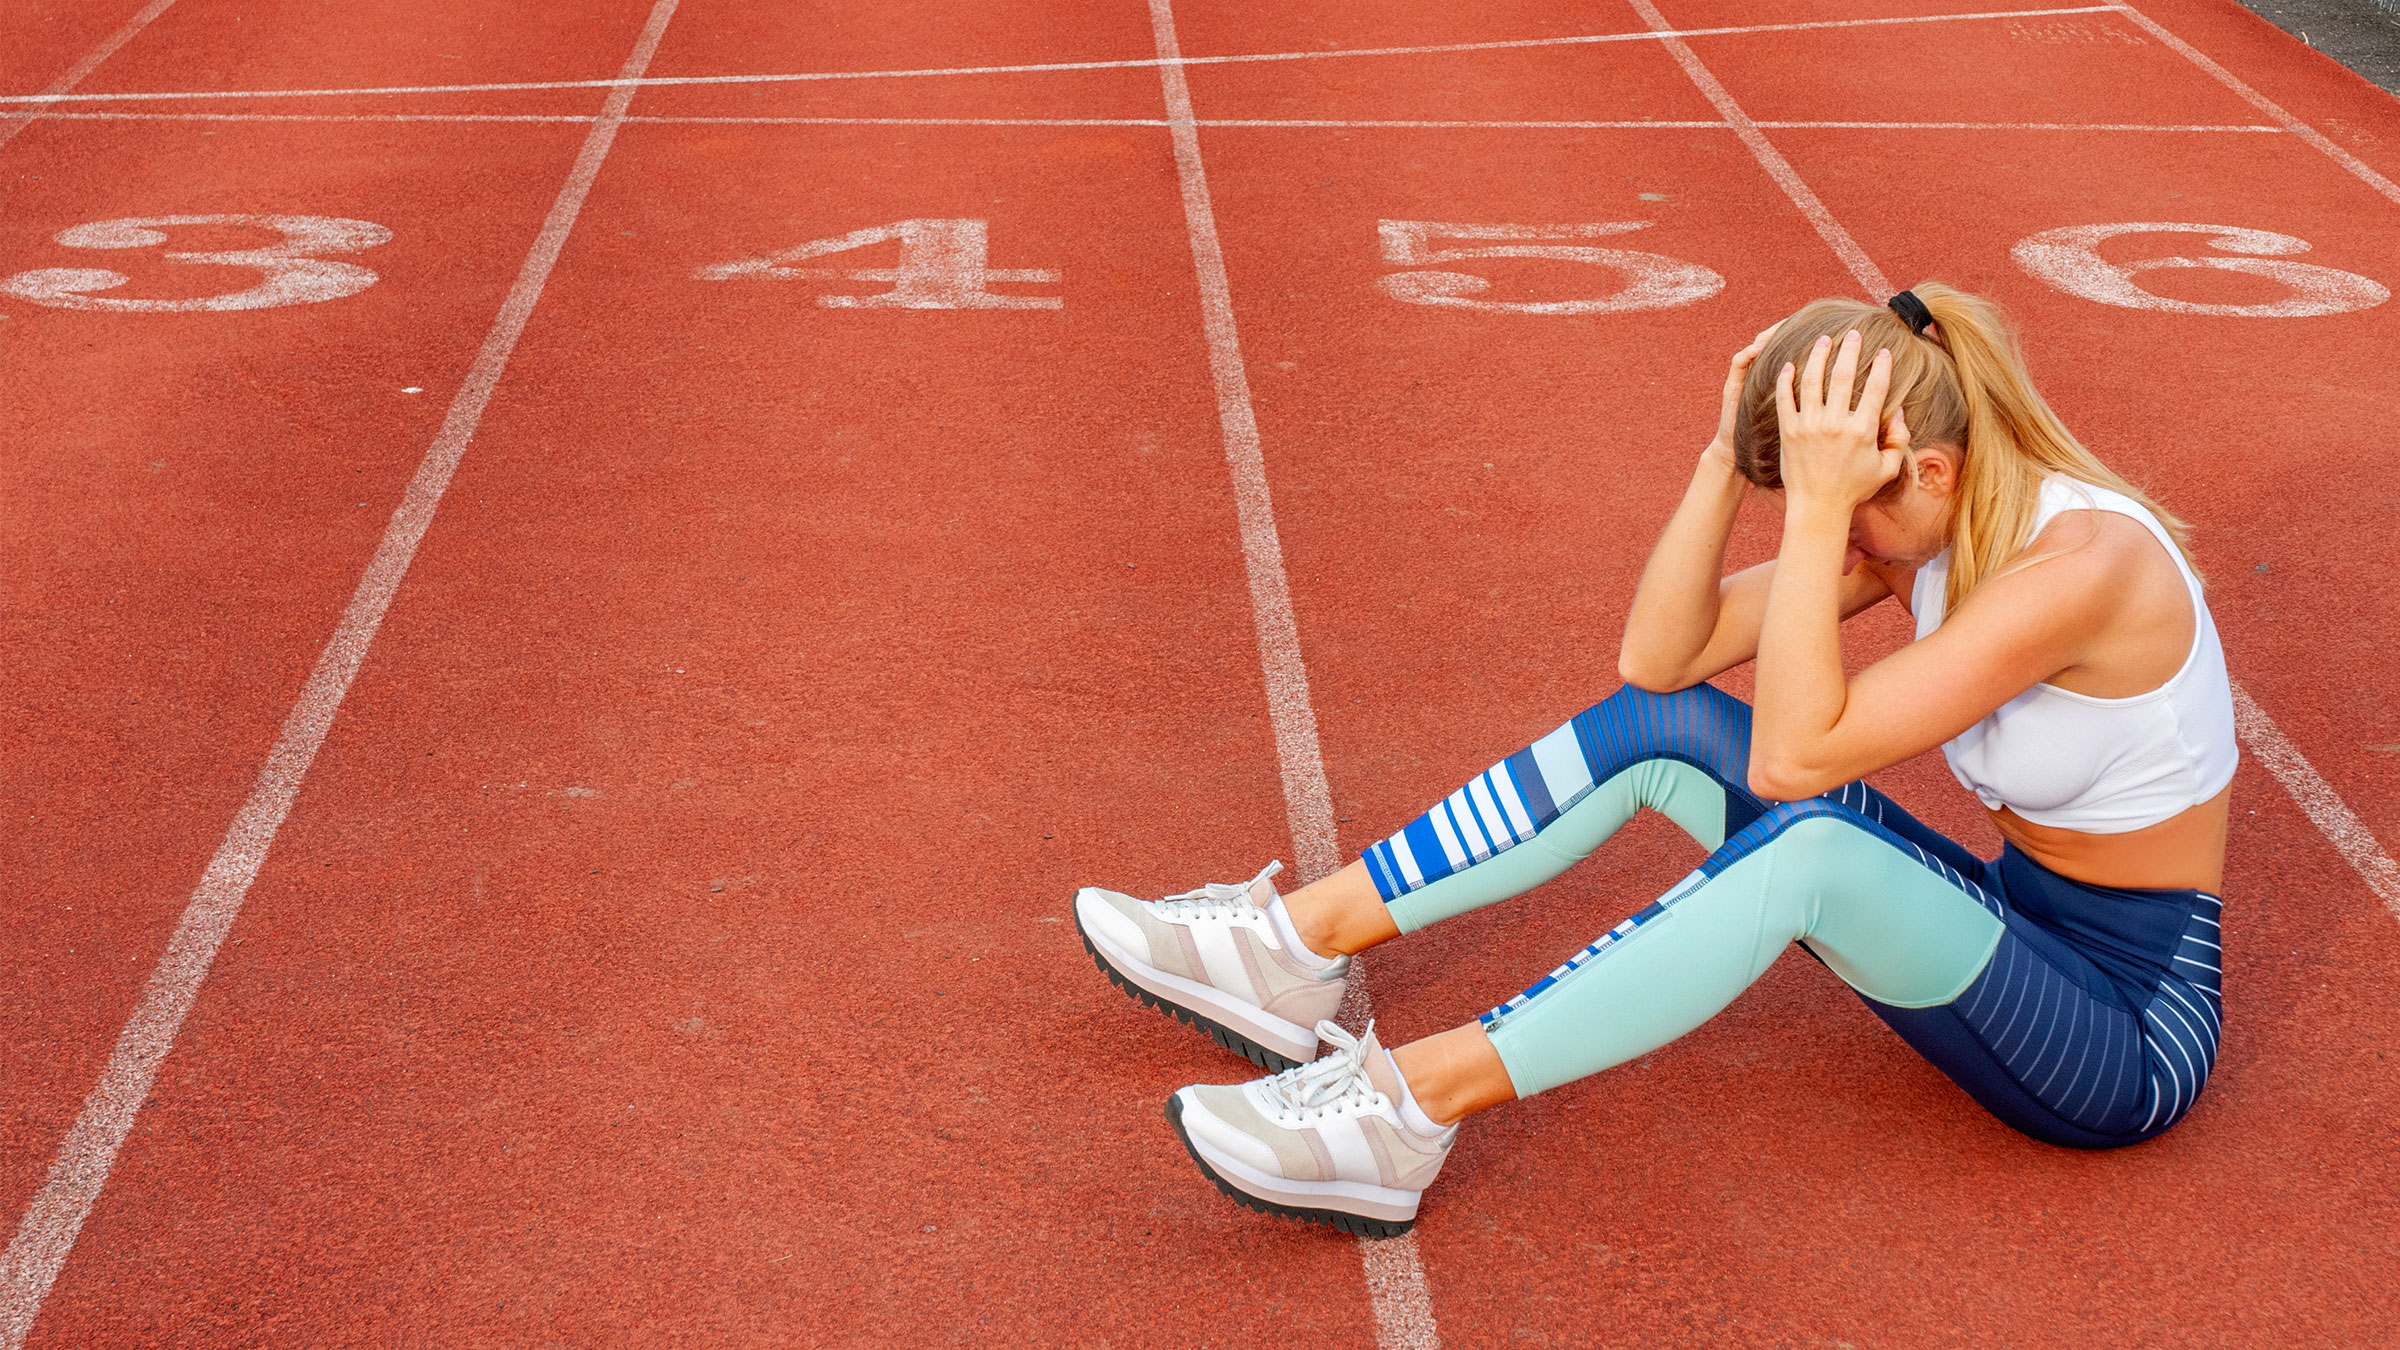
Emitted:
<point x="40" y="42"/>
<point x="285" y="44"/>
<point x="1652" y="1268"/>
<point x="1860" y="1167"/>
<point x="189" y="509"/>
<point x="582" y="998"/>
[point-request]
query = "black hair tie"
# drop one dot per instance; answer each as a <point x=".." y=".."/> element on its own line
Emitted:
<point x="1912" y="311"/>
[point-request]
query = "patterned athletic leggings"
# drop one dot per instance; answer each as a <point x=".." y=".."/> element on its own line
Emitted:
<point x="2080" y="1015"/>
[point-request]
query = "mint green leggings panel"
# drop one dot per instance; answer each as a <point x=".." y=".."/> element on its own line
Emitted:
<point x="1896" y="931"/>
<point x="1897" y="923"/>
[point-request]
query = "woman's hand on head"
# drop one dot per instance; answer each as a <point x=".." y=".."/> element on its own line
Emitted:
<point x="1836" y="456"/>
<point x="1720" y="450"/>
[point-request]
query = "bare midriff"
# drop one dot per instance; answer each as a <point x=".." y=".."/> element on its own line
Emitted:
<point x="2182" y="852"/>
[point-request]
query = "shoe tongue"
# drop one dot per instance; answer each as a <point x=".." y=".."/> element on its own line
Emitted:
<point x="1377" y="1062"/>
<point x="1262" y="892"/>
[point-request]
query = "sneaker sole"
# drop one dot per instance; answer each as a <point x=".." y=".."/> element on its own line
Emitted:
<point x="1358" y="1225"/>
<point x="1164" y="999"/>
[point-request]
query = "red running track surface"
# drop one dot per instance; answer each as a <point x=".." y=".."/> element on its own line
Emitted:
<point x="667" y="944"/>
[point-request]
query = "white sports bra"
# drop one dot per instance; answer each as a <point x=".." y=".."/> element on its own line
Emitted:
<point x="2099" y="765"/>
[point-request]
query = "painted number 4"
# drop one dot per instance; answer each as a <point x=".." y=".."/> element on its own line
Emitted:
<point x="943" y="265"/>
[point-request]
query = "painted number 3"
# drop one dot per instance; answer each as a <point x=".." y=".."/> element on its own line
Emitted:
<point x="293" y="270"/>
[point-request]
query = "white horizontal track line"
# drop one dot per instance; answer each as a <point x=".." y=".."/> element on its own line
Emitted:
<point x="46" y="1235"/>
<point x="1270" y="123"/>
<point x="1305" y="123"/>
<point x="16" y="122"/>
<point x="313" y="117"/>
<point x="905" y="121"/>
<point x="2015" y="126"/>
<point x="666" y="81"/>
<point x="2266" y="105"/>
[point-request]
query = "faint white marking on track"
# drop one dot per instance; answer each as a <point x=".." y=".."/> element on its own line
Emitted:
<point x="13" y="123"/>
<point x="1395" y="1278"/>
<point x="79" y="1172"/>
<point x="2069" y="258"/>
<point x="1297" y="123"/>
<point x="2317" y="800"/>
<point x="294" y="272"/>
<point x="2266" y="105"/>
<point x="1870" y="277"/>
<point x="662" y="81"/>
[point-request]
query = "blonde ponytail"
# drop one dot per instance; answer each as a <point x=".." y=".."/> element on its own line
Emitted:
<point x="2013" y="442"/>
<point x="1962" y="383"/>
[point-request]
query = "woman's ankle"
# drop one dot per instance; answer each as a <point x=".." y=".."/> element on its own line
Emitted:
<point x="1341" y="914"/>
<point x="1455" y="1073"/>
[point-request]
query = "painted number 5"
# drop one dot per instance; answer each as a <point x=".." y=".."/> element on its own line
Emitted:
<point x="294" y="270"/>
<point x="2069" y="259"/>
<point x="1649" y="280"/>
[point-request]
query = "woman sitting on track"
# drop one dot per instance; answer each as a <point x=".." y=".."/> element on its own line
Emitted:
<point x="2064" y="662"/>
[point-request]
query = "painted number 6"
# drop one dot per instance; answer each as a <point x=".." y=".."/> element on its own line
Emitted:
<point x="295" y="273"/>
<point x="2069" y="259"/>
<point x="1651" y="280"/>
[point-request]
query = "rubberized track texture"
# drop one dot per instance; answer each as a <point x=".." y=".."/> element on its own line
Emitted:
<point x="581" y="584"/>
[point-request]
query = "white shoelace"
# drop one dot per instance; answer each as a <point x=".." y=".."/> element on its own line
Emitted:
<point x="1217" y="899"/>
<point x="1333" y="1083"/>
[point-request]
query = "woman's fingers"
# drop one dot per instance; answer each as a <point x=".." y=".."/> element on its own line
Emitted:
<point x="1812" y="377"/>
<point x="1879" y="383"/>
<point x="1895" y="431"/>
<point x="1786" y="411"/>
<point x="1845" y="374"/>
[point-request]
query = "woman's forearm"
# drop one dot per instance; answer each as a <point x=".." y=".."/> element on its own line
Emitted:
<point x="1675" y="608"/>
<point x="1801" y="685"/>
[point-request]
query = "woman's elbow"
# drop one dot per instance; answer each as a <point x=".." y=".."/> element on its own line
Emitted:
<point x="1775" y="782"/>
<point x="1641" y="675"/>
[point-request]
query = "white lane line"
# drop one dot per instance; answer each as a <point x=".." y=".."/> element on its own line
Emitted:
<point x="663" y="81"/>
<point x="1287" y="123"/>
<point x="2317" y="800"/>
<point x="1870" y="277"/>
<point x="13" y="123"/>
<point x="315" y="117"/>
<point x="1395" y="1278"/>
<point x="2266" y="105"/>
<point x="47" y="1234"/>
<point x="1306" y="798"/>
<point x="2015" y="126"/>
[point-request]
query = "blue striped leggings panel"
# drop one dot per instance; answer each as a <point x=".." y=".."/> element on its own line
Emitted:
<point x="2057" y="1037"/>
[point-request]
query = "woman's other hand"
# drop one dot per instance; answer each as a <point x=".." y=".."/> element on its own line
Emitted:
<point x="1720" y="450"/>
<point x="1836" y="456"/>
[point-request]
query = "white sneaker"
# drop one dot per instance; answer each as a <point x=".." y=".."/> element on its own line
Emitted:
<point x="1324" y="1142"/>
<point x="1211" y="957"/>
